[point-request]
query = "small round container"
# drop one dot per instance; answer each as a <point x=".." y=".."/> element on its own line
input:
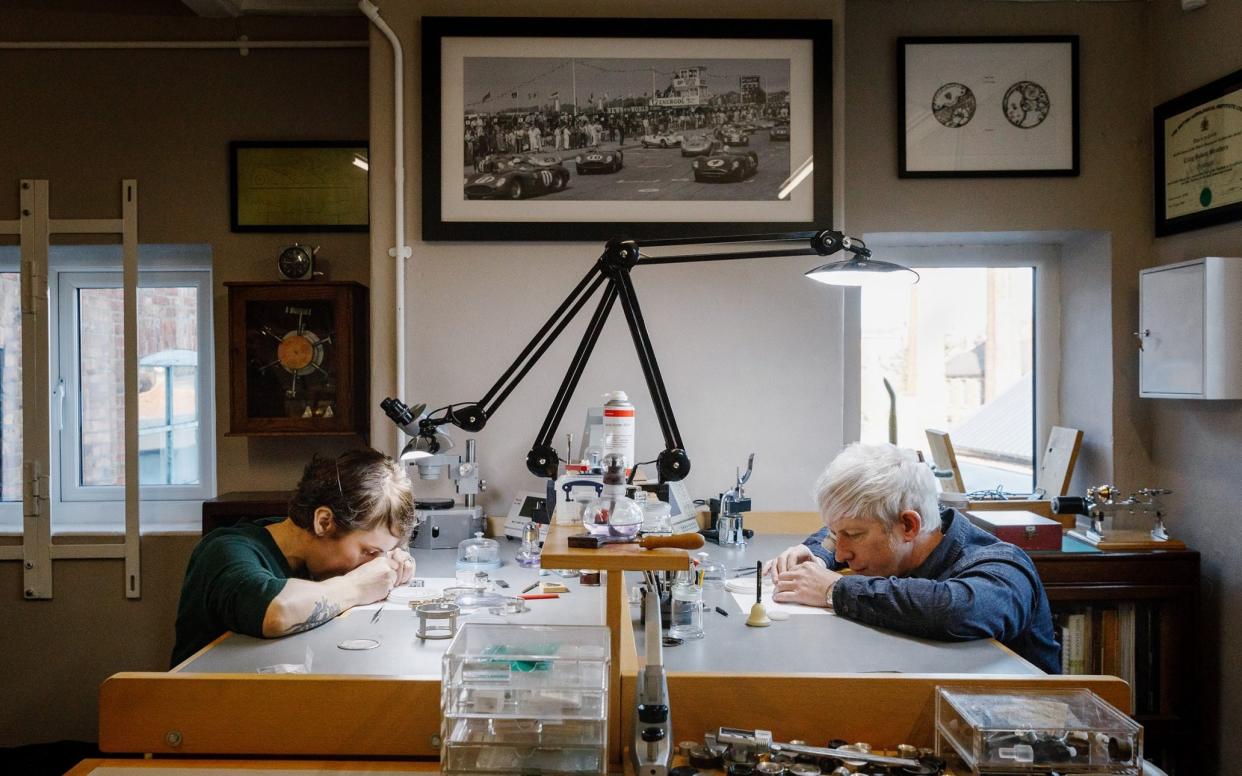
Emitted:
<point x="478" y="554"/>
<point x="656" y="519"/>
<point x="804" y="769"/>
<point x="860" y="748"/>
<point x="714" y="572"/>
<point x="510" y="605"/>
<point x="770" y="768"/>
<point x="475" y="600"/>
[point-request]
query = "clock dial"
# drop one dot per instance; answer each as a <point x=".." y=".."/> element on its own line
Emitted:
<point x="291" y="360"/>
<point x="298" y="358"/>
<point x="295" y="262"/>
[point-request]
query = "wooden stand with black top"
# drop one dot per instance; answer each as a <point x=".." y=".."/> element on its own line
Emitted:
<point x="230" y="508"/>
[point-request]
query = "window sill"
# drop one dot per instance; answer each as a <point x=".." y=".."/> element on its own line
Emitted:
<point x="78" y="530"/>
<point x="81" y="519"/>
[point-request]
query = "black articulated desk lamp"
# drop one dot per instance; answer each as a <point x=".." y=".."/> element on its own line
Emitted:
<point x="612" y="272"/>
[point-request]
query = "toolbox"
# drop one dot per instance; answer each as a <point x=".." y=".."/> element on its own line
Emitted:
<point x="1024" y="529"/>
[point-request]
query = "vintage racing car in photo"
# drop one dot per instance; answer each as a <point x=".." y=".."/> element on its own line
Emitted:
<point x="497" y="162"/>
<point x="531" y="176"/>
<point x="733" y="136"/>
<point x="699" y="145"/>
<point x="662" y="140"/>
<point x="779" y="132"/>
<point x="725" y="165"/>
<point x="594" y="160"/>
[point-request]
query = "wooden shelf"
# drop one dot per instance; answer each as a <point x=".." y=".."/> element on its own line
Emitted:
<point x="557" y="554"/>
<point x="1166" y="583"/>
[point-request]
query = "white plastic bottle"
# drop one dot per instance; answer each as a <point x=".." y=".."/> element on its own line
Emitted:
<point x="619" y="426"/>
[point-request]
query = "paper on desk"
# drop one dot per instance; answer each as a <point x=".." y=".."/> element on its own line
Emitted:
<point x="400" y="597"/>
<point x="747" y="600"/>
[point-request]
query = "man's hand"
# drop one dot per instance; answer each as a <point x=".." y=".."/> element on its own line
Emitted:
<point x="405" y="566"/>
<point x="794" y="556"/>
<point x="805" y="583"/>
<point x="373" y="580"/>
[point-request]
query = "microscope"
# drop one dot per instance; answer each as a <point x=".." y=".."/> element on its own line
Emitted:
<point x="442" y="523"/>
<point x="1104" y="500"/>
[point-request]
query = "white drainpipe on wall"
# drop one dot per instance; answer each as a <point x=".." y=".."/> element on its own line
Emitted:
<point x="400" y="251"/>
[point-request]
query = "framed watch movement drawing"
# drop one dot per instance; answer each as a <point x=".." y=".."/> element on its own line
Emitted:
<point x="298" y="358"/>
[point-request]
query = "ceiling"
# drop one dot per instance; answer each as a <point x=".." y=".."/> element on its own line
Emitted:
<point x="235" y="8"/>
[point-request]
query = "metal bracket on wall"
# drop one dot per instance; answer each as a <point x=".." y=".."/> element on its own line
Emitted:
<point x="34" y="229"/>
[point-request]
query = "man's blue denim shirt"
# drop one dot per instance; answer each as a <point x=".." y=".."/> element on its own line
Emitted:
<point x="972" y="586"/>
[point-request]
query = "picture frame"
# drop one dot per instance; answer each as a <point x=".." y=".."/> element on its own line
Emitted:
<point x="988" y="106"/>
<point x="298" y="186"/>
<point x="1198" y="157"/>
<point x="503" y="76"/>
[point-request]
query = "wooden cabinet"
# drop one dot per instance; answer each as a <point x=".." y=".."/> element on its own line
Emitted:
<point x="1190" y="329"/>
<point x="1161" y="589"/>
<point x="298" y="358"/>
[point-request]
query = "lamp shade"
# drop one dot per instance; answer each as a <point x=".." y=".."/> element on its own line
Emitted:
<point x="857" y="271"/>
<point x="424" y="446"/>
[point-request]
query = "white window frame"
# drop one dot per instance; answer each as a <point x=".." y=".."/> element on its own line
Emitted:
<point x="1044" y="257"/>
<point x="101" y="509"/>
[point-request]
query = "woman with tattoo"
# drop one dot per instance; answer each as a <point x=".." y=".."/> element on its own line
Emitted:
<point x="342" y="545"/>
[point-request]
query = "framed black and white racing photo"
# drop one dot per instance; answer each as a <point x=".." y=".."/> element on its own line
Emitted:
<point x="988" y="106"/>
<point x="586" y="129"/>
<point x="1198" y="150"/>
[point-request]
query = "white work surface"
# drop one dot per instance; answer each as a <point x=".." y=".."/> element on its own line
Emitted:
<point x="814" y="644"/>
<point x="401" y="652"/>
<point x="810" y="644"/>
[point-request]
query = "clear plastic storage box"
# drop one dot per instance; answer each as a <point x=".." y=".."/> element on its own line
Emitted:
<point x="1037" y="731"/>
<point x="525" y="699"/>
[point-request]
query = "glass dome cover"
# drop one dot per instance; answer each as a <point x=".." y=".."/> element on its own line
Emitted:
<point x="478" y="554"/>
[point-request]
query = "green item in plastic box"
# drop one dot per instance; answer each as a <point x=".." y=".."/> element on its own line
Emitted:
<point x="524" y="666"/>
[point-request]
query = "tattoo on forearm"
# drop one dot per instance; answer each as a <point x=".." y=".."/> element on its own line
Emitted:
<point x="324" y="610"/>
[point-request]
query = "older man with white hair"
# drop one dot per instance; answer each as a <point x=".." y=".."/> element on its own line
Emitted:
<point x="915" y="569"/>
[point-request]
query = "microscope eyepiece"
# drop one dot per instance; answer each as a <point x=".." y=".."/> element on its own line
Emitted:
<point x="396" y="411"/>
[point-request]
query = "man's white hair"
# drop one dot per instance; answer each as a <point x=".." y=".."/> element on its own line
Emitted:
<point x="878" y="482"/>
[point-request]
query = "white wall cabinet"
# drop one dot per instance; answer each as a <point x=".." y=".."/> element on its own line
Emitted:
<point x="1190" y="330"/>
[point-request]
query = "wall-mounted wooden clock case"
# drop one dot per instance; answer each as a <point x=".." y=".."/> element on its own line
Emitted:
<point x="299" y="361"/>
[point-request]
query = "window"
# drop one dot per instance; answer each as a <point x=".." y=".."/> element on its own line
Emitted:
<point x="958" y="353"/>
<point x="10" y="386"/>
<point x="176" y="427"/>
<point x="174" y="443"/>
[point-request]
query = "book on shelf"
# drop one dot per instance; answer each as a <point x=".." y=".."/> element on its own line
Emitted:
<point x="1115" y="640"/>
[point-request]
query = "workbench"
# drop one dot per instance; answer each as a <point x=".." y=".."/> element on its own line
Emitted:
<point x="804" y="678"/>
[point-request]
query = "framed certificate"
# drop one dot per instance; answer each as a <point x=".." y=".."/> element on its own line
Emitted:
<point x="298" y="186"/>
<point x="1198" y="157"/>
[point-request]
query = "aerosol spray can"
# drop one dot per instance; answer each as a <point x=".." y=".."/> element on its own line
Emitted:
<point x="619" y="426"/>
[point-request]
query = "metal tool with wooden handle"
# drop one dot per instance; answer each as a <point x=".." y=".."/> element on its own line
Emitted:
<point x="682" y="541"/>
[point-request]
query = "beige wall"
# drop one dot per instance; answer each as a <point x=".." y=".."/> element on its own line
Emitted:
<point x="1195" y="445"/>
<point x="1110" y="195"/>
<point x="84" y="120"/>
<point x="475" y="307"/>
<point x="751" y="336"/>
